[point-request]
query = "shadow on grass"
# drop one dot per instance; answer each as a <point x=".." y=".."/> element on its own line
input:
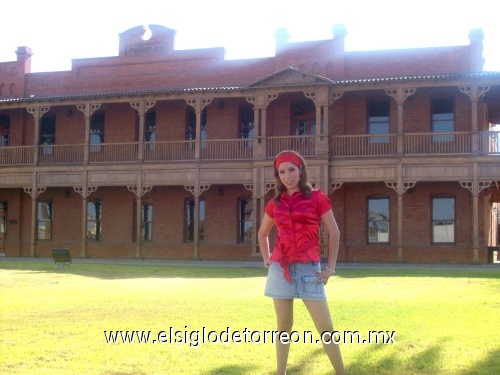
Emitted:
<point x="303" y="366"/>
<point x="369" y="362"/>
<point x="489" y="365"/>
<point x="197" y="271"/>
<point x="124" y="271"/>
<point x="468" y="272"/>
<point x="231" y="370"/>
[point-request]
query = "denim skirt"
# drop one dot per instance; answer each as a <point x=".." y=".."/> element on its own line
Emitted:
<point x="302" y="285"/>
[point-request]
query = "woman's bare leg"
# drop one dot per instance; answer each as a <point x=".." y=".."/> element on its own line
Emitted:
<point x="284" y="318"/>
<point x="320" y="314"/>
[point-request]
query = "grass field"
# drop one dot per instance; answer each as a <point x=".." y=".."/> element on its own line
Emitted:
<point x="52" y="320"/>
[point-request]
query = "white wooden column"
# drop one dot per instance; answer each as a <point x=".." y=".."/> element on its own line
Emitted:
<point x="139" y="192"/>
<point x="84" y="192"/>
<point x="87" y="109"/>
<point x="142" y="108"/>
<point x="474" y="93"/>
<point x="34" y="192"/>
<point x="37" y="113"/>
<point x="400" y="188"/>
<point x="475" y="187"/>
<point x="197" y="189"/>
<point x="198" y="105"/>
<point x="400" y="94"/>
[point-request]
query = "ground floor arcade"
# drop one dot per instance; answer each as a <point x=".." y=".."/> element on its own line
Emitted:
<point x="428" y="222"/>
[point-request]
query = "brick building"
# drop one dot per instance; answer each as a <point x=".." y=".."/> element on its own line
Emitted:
<point x="164" y="153"/>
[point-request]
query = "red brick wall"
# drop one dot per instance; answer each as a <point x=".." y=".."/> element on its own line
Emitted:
<point x="120" y="123"/>
<point x="208" y="68"/>
<point x="171" y="120"/>
<point x="389" y="63"/>
<point x="349" y="206"/>
<point x="14" y="220"/>
<point x="70" y="126"/>
<point x="417" y="246"/>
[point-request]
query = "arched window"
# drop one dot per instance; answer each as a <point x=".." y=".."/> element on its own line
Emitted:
<point x="315" y="68"/>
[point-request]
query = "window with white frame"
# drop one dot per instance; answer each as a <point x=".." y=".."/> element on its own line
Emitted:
<point x="44" y="220"/>
<point x="443" y="220"/>
<point x="378" y="221"/>
<point x="245" y="219"/>
<point x="147" y="222"/>
<point x="94" y="220"/>
<point x="443" y="119"/>
<point x="378" y="120"/>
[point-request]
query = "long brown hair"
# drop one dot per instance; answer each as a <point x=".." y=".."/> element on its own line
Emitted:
<point x="304" y="185"/>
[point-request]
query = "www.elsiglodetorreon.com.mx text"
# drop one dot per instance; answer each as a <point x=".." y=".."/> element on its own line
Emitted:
<point x="197" y="337"/>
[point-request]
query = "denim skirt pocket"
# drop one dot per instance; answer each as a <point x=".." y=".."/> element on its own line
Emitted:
<point x="311" y="287"/>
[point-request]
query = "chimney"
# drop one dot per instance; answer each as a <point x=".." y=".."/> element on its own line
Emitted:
<point x="476" y="60"/>
<point x="339" y="34"/>
<point x="24" y="59"/>
<point x="282" y="37"/>
<point x="338" y="48"/>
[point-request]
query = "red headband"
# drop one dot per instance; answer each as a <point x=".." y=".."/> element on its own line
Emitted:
<point x="287" y="157"/>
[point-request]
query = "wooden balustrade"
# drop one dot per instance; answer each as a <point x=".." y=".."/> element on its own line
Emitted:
<point x="489" y="143"/>
<point x="303" y="144"/>
<point x="113" y="152"/>
<point x="20" y="155"/>
<point x="169" y="151"/>
<point x="226" y="149"/>
<point x="456" y="143"/>
<point x="364" y="145"/>
<point x="60" y="154"/>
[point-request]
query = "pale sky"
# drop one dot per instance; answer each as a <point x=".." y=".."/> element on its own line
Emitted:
<point x="61" y="30"/>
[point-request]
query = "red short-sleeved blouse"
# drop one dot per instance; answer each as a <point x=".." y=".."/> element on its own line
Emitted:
<point x="298" y="219"/>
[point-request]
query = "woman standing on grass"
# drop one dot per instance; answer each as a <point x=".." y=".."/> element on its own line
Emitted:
<point x="295" y="263"/>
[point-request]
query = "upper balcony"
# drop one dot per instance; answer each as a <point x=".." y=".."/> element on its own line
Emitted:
<point x="342" y="146"/>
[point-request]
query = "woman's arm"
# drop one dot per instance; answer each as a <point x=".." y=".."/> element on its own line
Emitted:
<point x="263" y="238"/>
<point x="333" y="232"/>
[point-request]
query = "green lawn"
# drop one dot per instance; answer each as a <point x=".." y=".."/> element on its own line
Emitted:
<point x="52" y="320"/>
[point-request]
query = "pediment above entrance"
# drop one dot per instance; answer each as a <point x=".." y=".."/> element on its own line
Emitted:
<point x="289" y="76"/>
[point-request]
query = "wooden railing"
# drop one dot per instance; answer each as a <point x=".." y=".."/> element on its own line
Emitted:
<point x="364" y="145"/>
<point x="457" y="143"/>
<point x="169" y="151"/>
<point x="21" y="155"/>
<point x="343" y="146"/>
<point x="113" y="152"/>
<point x="304" y="144"/>
<point x="60" y="154"/>
<point x="489" y="143"/>
<point x="226" y="149"/>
